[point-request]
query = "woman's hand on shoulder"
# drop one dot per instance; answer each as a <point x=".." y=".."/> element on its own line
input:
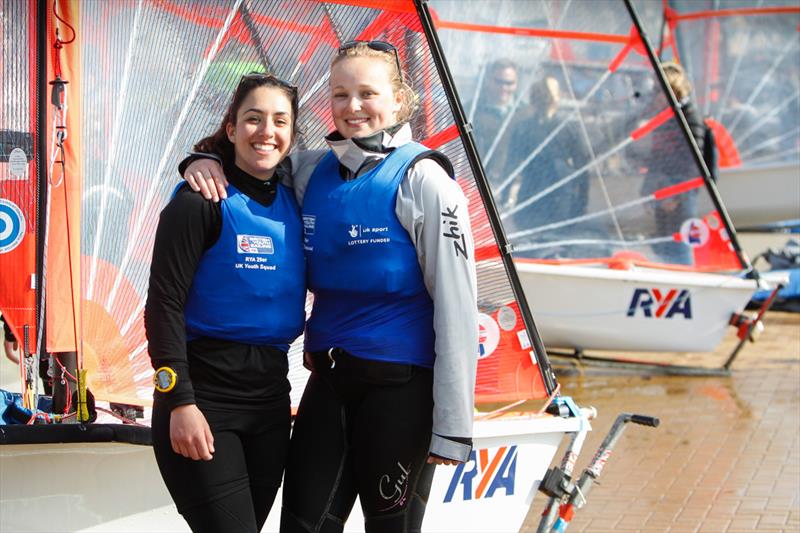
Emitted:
<point x="190" y="434"/>
<point x="206" y="177"/>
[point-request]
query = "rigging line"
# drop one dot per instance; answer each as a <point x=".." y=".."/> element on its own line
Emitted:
<point x="58" y="118"/>
<point x="763" y="120"/>
<point x="139" y="349"/>
<point x="187" y="106"/>
<point x="777" y="157"/>
<point x="336" y="31"/>
<point x="253" y="31"/>
<point x="761" y="84"/>
<point x="712" y="58"/>
<point x="324" y="78"/>
<point x="122" y="99"/>
<point x="67" y="24"/>
<point x="314" y="88"/>
<point x="533" y="32"/>
<point x="686" y="61"/>
<point x="478" y="89"/>
<point x="547" y="190"/>
<point x="740" y="12"/>
<point x="314" y="44"/>
<point x="553" y="133"/>
<point x="769" y="142"/>
<point x="583" y="218"/>
<point x="504" y="125"/>
<point x="144" y="375"/>
<point x="587" y="141"/>
<point x="663" y="27"/>
<point x="735" y="71"/>
<point x="511" y="113"/>
<point x="657" y="195"/>
<point x="625" y="243"/>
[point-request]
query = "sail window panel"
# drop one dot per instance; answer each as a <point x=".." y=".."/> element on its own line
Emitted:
<point x="158" y="76"/>
<point x="584" y="156"/>
<point x="744" y="64"/>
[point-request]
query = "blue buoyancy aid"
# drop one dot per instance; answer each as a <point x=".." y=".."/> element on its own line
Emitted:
<point x="249" y="287"/>
<point x="369" y="294"/>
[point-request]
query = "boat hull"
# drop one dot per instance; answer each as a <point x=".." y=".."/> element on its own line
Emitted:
<point x="756" y="196"/>
<point x="113" y="486"/>
<point x="597" y="308"/>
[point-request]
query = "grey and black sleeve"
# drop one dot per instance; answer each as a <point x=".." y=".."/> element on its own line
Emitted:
<point x="433" y="209"/>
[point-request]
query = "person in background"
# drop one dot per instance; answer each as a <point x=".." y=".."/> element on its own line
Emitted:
<point x="392" y="341"/>
<point x="669" y="163"/>
<point x="558" y="158"/>
<point x="495" y="103"/>
<point x="221" y="410"/>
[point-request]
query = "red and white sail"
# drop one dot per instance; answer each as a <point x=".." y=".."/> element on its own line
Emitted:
<point x="149" y="78"/>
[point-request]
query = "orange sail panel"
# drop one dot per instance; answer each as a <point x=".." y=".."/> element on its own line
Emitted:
<point x="62" y="270"/>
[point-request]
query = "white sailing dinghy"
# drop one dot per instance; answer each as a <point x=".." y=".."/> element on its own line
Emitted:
<point x="145" y="80"/>
<point x="619" y="238"/>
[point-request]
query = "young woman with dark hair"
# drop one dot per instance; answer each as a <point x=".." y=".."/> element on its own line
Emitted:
<point x="221" y="413"/>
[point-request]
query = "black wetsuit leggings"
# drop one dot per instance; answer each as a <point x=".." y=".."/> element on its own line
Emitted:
<point x="363" y="429"/>
<point x="235" y="490"/>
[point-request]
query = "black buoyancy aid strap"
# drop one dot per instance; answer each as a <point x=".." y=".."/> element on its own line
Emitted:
<point x="439" y="157"/>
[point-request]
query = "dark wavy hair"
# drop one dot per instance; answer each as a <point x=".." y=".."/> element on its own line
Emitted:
<point x="218" y="142"/>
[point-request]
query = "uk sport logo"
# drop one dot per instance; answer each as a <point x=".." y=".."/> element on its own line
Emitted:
<point x="487" y="473"/>
<point x="659" y="303"/>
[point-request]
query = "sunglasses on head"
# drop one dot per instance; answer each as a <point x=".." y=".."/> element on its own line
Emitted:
<point x="380" y="46"/>
<point x="262" y="76"/>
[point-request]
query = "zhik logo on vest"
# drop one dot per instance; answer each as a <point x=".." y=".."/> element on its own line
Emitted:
<point x="656" y="303"/>
<point x="484" y="474"/>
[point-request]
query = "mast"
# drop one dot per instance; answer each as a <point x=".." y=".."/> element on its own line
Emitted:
<point x="39" y="350"/>
<point x="465" y="130"/>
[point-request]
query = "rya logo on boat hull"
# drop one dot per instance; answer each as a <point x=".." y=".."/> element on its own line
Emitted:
<point x="659" y="303"/>
<point x="484" y="474"/>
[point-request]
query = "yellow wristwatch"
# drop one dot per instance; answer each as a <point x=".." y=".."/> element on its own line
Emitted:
<point x="165" y="379"/>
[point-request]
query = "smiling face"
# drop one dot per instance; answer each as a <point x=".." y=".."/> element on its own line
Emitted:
<point x="362" y="99"/>
<point x="262" y="134"/>
<point x="502" y="85"/>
